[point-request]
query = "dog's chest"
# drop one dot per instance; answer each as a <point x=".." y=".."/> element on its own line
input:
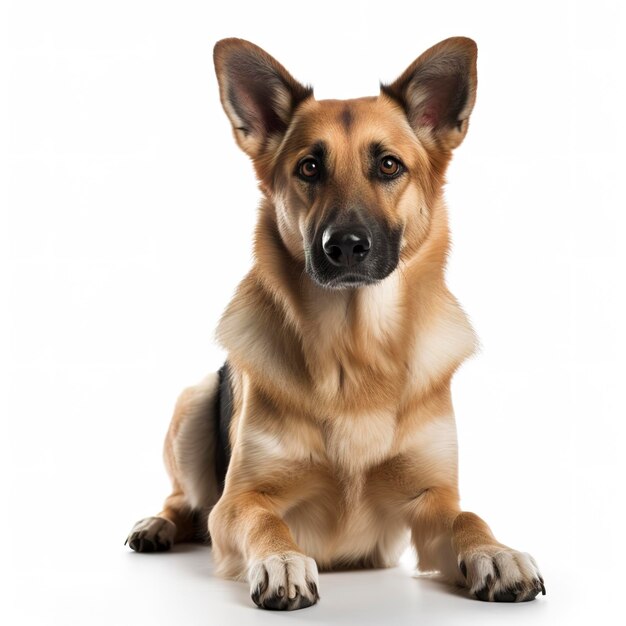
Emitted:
<point x="344" y="520"/>
<point x="353" y="443"/>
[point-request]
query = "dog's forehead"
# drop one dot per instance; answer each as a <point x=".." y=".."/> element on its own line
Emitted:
<point x="345" y="124"/>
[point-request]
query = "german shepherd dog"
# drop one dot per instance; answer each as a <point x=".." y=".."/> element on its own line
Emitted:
<point x="328" y="439"/>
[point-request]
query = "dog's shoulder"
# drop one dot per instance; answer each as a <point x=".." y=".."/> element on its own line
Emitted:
<point x="254" y="328"/>
<point x="443" y="338"/>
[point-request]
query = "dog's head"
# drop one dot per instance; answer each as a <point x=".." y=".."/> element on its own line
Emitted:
<point x="351" y="180"/>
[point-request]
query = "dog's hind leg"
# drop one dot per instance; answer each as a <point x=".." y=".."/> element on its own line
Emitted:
<point x="177" y="522"/>
<point x="190" y="449"/>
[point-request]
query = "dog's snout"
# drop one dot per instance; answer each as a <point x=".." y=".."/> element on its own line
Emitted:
<point x="345" y="247"/>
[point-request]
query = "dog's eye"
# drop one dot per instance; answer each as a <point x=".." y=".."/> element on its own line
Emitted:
<point x="309" y="169"/>
<point x="389" y="167"/>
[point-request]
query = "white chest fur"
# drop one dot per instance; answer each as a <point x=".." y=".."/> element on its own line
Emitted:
<point x="356" y="442"/>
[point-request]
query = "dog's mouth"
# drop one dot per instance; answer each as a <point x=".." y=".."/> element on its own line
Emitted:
<point x="347" y="281"/>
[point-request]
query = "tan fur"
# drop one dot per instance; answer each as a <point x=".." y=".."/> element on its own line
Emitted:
<point x="343" y="435"/>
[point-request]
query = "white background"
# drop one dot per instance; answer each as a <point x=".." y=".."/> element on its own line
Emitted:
<point x="127" y="213"/>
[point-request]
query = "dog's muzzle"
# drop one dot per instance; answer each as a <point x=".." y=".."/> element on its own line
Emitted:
<point x="350" y="253"/>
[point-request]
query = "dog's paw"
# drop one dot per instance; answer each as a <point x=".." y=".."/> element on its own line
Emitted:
<point x="500" y="574"/>
<point x="152" y="534"/>
<point x="284" y="582"/>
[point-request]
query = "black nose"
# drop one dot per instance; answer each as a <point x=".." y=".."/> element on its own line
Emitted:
<point x="346" y="246"/>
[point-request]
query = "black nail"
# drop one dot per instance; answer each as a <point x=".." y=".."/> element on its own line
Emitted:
<point x="508" y="595"/>
<point x="495" y="568"/>
<point x="265" y="582"/>
<point x="256" y="595"/>
<point x="313" y="588"/>
<point x="483" y="594"/>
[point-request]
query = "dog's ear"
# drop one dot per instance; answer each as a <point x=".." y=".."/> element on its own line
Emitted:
<point x="257" y="93"/>
<point x="438" y="91"/>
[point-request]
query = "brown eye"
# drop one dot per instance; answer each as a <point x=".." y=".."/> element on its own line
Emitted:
<point x="389" y="166"/>
<point x="309" y="169"/>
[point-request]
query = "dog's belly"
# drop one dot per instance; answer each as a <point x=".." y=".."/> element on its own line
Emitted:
<point x="340" y="529"/>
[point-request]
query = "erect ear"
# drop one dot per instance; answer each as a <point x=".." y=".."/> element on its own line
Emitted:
<point x="257" y="93"/>
<point x="438" y="91"/>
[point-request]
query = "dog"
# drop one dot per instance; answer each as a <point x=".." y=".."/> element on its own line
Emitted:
<point x="327" y="440"/>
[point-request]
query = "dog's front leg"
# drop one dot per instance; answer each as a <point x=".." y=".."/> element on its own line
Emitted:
<point x="270" y="473"/>
<point x="462" y="547"/>
<point x="246" y="526"/>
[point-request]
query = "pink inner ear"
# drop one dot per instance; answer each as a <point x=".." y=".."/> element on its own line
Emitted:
<point x="428" y="117"/>
<point x="436" y="109"/>
<point x="249" y="106"/>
